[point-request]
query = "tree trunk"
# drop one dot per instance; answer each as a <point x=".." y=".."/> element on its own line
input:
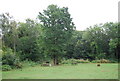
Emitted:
<point x="14" y="47"/>
<point x="55" y="60"/>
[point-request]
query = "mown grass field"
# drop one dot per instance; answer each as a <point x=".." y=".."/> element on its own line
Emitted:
<point x="80" y="71"/>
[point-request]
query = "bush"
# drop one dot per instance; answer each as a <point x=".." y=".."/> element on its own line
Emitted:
<point x="95" y="61"/>
<point x="6" y="68"/>
<point x="32" y="64"/>
<point x="104" y="61"/>
<point x="27" y="63"/>
<point x="101" y="61"/>
<point x="83" y="61"/>
<point x="114" y="61"/>
<point x="9" y="58"/>
<point x="69" y="61"/>
<point x="75" y="61"/>
<point x="18" y="66"/>
<point x="65" y="62"/>
<point x="45" y="64"/>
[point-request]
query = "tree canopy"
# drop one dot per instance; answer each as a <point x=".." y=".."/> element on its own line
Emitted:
<point x="55" y="38"/>
<point x="57" y="30"/>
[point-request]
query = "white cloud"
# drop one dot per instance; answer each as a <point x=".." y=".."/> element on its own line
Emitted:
<point x="84" y="12"/>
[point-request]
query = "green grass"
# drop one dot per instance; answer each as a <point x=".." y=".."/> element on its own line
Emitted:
<point x="80" y="71"/>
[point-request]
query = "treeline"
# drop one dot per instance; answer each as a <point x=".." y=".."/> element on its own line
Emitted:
<point x="97" y="42"/>
<point x="53" y="37"/>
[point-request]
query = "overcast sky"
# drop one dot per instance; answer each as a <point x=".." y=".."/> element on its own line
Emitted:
<point x="85" y="13"/>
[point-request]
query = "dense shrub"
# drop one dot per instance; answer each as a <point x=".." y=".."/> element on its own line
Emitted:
<point x="66" y="62"/>
<point x="18" y="66"/>
<point x="69" y="61"/>
<point x="101" y="61"/>
<point x="114" y="61"/>
<point x="28" y="63"/>
<point x="95" y="61"/>
<point x="45" y="64"/>
<point x="104" y="61"/>
<point x="82" y="61"/>
<point x="74" y="61"/>
<point x="9" y="58"/>
<point x="6" y="68"/>
<point x="32" y="64"/>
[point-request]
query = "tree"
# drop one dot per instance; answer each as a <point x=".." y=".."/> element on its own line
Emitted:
<point x="5" y="21"/>
<point x="75" y="48"/>
<point x="4" y="25"/>
<point x="8" y="26"/>
<point x="57" y="30"/>
<point x="29" y="40"/>
<point x="112" y="32"/>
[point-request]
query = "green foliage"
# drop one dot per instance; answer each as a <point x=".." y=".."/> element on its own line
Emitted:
<point x="95" y="61"/>
<point x="27" y="63"/>
<point x="29" y="46"/>
<point x="18" y="66"/>
<point x="96" y="42"/>
<point x="8" y="58"/>
<point x="113" y="60"/>
<point x="57" y="30"/>
<point x="104" y="61"/>
<point x="83" y="61"/>
<point x="72" y="61"/>
<point x="101" y="61"/>
<point x="55" y="38"/>
<point x="113" y="47"/>
<point x="6" y="68"/>
<point x="32" y="64"/>
<point x="69" y="61"/>
<point x="5" y="23"/>
<point x="66" y="62"/>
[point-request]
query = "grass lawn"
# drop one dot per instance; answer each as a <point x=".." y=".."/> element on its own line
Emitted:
<point x="80" y="71"/>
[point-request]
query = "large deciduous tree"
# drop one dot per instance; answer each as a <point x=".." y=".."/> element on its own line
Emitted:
<point x="8" y="28"/>
<point x="57" y="30"/>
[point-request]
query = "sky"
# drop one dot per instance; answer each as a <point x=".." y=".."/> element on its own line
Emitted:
<point x="85" y="13"/>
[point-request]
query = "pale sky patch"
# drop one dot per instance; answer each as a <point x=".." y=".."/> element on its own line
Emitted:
<point x="85" y="13"/>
